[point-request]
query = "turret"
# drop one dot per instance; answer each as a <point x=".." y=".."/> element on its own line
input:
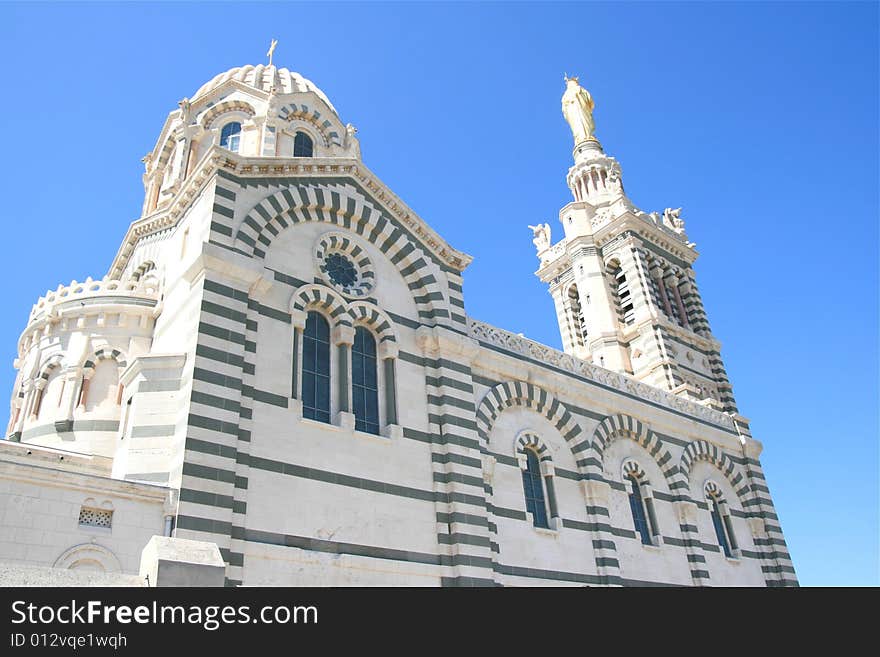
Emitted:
<point x="622" y="280"/>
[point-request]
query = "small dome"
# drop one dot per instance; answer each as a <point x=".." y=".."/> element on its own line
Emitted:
<point x="264" y="78"/>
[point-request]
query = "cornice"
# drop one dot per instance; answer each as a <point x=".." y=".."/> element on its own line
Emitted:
<point x="219" y="159"/>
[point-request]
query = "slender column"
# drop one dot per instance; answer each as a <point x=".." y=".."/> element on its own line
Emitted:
<point x="294" y="370"/>
<point x="652" y="515"/>
<point x="551" y="496"/>
<point x="83" y="391"/>
<point x="343" y="354"/>
<point x="343" y="338"/>
<point x="390" y="392"/>
<point x="678" y="302"/>
<point x="664" y="298"/>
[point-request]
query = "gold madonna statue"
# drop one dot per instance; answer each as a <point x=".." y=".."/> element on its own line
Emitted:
<point x="577" y="108"/>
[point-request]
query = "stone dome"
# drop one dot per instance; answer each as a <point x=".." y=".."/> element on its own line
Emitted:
<point x="264" y="78"/>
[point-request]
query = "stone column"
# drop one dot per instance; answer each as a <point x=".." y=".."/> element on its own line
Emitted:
<point x="597" y="493"/>
<point x="343" y="338"/>
<point x="463" y="535"/>
<point x="387" y="353"/>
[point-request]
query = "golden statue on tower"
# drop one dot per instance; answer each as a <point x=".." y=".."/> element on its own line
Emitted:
<point x="577" y="108"/>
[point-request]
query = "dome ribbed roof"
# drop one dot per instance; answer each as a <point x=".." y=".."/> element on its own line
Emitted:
<point x="264" y="78"/>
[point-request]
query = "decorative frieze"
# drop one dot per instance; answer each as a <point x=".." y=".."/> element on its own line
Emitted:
<point x="518" y="344"/>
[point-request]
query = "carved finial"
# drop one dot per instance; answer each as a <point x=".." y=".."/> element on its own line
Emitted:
<point x="271" y="50"/>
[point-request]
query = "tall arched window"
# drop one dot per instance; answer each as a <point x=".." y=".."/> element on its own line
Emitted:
<point x="641" y="503"/>
<point x="577" y="319"/>
<point x="721" y="520"/>
<point x="230" y="136"/>
<point x="316" y="368"/>
<point x="103" y="387"/>
<point x="533" y="485"/>
<point x="620" y="287"/>
<point x="302" y="145"/>
<point x="365" y="382"/>
<point x="637" y="506"/>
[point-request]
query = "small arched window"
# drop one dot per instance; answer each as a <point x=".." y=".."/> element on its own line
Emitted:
<point x="577" y="319"/>
<point x="533" y="485"/>
<point x="316" y="368"/>
<point x="230" y="136"/>
<point x="623" y="297"/>
<point x="303" y="145"/>
<point x="721" y="520"/>
<point x="637" y="506"/>
<point x="641" y="503"/>
<point x="365" y="382"/>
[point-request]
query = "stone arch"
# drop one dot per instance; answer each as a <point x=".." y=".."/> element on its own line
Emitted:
<point x="618" y="426"/>
<point x="103" y="353"/>
<point x="310" y="202"/>
<point x="702" y="450"/>
<point x="222" y="108"/>
<point x="519" y="393"/>
<point x="312" y="296"/>
<point x="530" y="440"/>
<point x="89" y="553"/>
<point x="634" y="469"/>
<point x="313" y="117"/>
<point x="712" y="489"/>
<point x="144" y="268"/>
<point x="165" y="153"/>
<point x="52" y="363"/>
<point x="368" y="314"/>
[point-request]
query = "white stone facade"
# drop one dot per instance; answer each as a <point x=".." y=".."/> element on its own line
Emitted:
<point x="178" y="385"/>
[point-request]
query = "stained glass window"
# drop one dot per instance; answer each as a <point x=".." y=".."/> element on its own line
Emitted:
<point x="302" y="145"/>
<point x="533" y="486"/>
<point x="316" y="368"/>
<point x="364" y="382"/>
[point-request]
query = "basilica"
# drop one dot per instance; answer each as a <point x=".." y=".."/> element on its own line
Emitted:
<point x="277" y="383"/>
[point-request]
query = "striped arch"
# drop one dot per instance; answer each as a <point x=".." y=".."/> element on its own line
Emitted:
<point x="52" y="363"/>
<point x="701" y="450"/>
<point x="619" y="426"/>
<point x="103" y="353"/>
<point x="165" y="153"/>
<point x="222" y="108"/>
<point x="319" y="296"/>
<point x="519" y="393"/>
<point x="143" y="268"/>
<point x="369" y="315"/>
<point x="531" y="440"/>
<point x="314" y="202"/>
<point x="713" y="490"/>
<point x="632" y="468"/>
<point x="313" y="117"/>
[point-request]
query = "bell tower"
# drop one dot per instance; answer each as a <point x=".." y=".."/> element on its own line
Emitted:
<point x="622" y="280"/>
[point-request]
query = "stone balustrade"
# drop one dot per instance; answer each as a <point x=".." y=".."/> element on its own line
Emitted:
<point x="145" y="289"/>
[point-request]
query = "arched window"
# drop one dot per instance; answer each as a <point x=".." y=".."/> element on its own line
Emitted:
<point x="578" y="323"/>
<point x="49" y="396"/>
<point x="637" y="506"/>
<point x="641" y="503"/>
<point x="533" y="485"/>
<point x="316" y="368"/>
<point x="623" y="297"/>
<point x="721" y="520"/>
<point x="302" y="145"/>
<point x="365" y="382"/>
<point x="230" y="136"/>
<point x="102" y="390"/>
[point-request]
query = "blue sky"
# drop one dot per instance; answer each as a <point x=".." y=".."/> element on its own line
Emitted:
<point x="759" y="119"/>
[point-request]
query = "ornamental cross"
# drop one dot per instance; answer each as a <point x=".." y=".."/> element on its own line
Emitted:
<point x="271" y="50"/>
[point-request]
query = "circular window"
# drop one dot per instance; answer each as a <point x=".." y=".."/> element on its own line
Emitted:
<point x="340" y="270"/>
<point x="344" y="264"/>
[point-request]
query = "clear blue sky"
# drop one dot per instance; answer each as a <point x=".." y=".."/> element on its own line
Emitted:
<point x="761" y="120"/>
